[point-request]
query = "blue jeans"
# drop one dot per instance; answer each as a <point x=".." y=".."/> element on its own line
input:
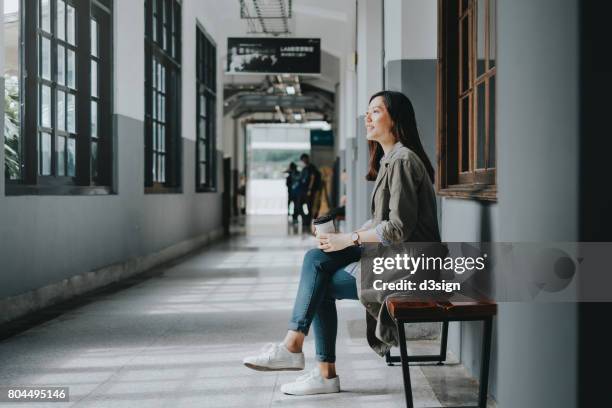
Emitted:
<point x="322" y="281"/>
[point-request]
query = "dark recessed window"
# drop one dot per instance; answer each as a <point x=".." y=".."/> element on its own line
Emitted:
<point x="63" y="93"/>
<point x="466" y="101"/>
<point x="206" y="102"/>
<point x="162" y="96"/>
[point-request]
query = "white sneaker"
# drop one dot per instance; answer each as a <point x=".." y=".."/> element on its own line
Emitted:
<point x="275" y="357"/>
<point x="312" y="383"/>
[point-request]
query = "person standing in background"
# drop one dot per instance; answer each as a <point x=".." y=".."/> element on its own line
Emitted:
<point x="311" y="183"/>
<point x="293" y="191"/>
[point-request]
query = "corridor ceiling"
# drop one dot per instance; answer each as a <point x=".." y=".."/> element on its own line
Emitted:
<point x="331" y="21"/>
<point x="266" y="16"/>
<point x="246" y="99"/>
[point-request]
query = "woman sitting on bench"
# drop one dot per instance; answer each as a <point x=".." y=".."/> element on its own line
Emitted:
<point x="404" y="209"/>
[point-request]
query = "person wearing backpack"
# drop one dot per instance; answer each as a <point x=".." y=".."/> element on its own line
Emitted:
<point x="311" y="183"/>
<point x="293" y="191"/>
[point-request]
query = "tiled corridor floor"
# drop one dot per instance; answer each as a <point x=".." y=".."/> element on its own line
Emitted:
<point x="176" y="339"/>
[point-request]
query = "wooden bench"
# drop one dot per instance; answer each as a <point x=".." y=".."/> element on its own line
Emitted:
<point x="408" y="310"/>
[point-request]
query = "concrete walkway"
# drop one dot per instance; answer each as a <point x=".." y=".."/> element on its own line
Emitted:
<point x="176" y="338"/>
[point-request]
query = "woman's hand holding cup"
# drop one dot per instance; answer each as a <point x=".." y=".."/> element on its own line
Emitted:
<point x="330" y="242"/>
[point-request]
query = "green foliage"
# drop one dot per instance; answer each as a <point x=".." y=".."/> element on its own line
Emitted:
<point x="11" y="129"/>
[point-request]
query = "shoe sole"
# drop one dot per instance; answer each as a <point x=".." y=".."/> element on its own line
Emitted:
<point x="263" y="368"/>
<point x="311" y="393"/>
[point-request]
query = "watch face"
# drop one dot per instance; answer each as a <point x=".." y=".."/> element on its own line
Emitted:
<point x="354" y="236"/>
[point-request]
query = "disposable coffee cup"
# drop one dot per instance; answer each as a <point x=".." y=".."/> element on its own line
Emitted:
<point x="324" y="224"/>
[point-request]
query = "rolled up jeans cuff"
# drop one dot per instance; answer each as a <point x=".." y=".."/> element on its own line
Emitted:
<point x="298" y="327"/>
<point x="325" y="358"/>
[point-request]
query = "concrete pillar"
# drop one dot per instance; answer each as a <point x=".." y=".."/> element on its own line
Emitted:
<point x="369" y="80"/>
<point x="410" y="60"/>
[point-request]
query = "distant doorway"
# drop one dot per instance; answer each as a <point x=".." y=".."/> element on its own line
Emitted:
<point x="270" y="149"/>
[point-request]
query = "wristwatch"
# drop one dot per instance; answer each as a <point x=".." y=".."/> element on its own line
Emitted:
<point x="355" y="238"/>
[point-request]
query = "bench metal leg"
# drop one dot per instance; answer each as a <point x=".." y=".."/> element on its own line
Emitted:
<point x="405" y="367"/>
<point x="486" y="355"/>
<point x="443" y="342"/>
<point x="404" y="359"/>
<point x="389" y="359"/>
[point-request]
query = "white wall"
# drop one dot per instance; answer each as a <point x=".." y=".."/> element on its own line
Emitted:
<point x="369" y="51"/>
<point x="129" y="32"/>
<point x="411" y="29"/>
<point x="129" y="57"/>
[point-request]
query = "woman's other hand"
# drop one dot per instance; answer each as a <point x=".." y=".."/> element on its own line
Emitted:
<point x="333" y="242"/>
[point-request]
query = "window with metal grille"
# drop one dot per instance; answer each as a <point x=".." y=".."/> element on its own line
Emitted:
<point x="163" y="96"/>
<point x="64" y="88"/>
<point x="206" y="102"/>
<point x="466" y="99"/>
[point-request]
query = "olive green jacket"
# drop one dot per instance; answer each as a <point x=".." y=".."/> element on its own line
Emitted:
<point x="403" y="209"/>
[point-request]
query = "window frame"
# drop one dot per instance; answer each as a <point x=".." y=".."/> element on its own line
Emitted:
<point x="31" y="182"/>
<point x="206" y="86"/>
<point x="168" y="53"/>
<point x="453" y="178"/>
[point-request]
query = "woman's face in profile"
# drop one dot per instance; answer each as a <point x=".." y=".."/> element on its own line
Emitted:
<point x="378" y="123"/>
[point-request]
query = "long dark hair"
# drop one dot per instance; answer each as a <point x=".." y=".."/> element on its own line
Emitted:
<point x="404" y="129"/>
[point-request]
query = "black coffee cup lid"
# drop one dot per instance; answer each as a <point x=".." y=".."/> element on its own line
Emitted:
<point x="323" y="219"/>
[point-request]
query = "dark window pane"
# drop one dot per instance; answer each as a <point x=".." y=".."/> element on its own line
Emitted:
<point x="61" y="110"/>
<point x="45" y="15"/>
<point x="203" y="156"/>
<point x="94" y="38"/>
<point x="94" y="119"/>
<point x="465" y="47"/>
<point x="45" y="106"/>
<point x="464" y="5"/>
<point x="162" y="138"/>
<point x="45" y="58"/>
<point x="492" y="32"/>
<point x="12" y="116"/>
<point x="492" y="157"/>
<point x="202" y="173"/>
<point x="481" y="136"/>
<point x="70" y="24"/>
<point x="61" y="20"/>
<point x="202" y="128"/>
<point x="158" y="168"/>
<point x="61" y="63"/>
<point x="465" y="134"/>
<point x="71" y="114"/>
<point x="162" y="168"/>
<point x="44" y="147"/>
<point x="481" y="19"/>
<point x="94" y="159"/>
<point x="61" y="156"/>
<point x="71" y="157"/>
<point x="94" y="78"/>
<point x="162" y="78"/>
<point x="71" y="69"/>
<point x="162" y="108"/>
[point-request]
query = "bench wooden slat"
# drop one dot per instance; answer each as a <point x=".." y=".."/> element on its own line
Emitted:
<point x="404" y="308"/>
